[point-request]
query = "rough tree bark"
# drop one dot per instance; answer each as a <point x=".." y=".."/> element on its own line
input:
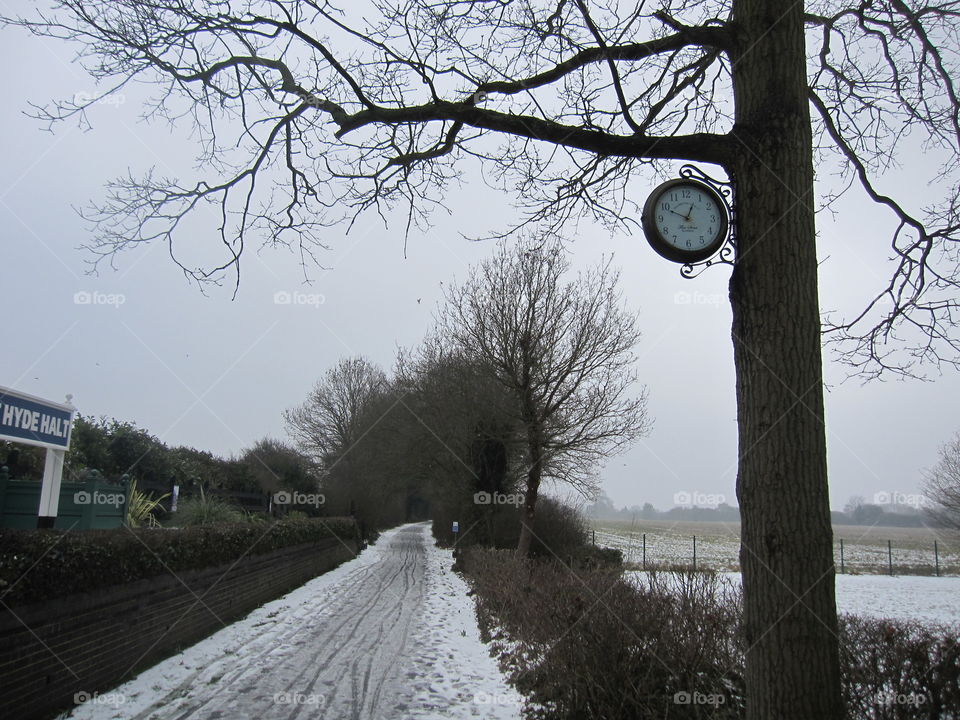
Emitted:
<point x="786" y="556"/>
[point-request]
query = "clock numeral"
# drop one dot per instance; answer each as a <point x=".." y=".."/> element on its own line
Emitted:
<point x="665" y="206"/>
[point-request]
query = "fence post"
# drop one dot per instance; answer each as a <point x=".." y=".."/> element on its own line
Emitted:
<point x="694" y="553"/>
<point x="841" y="556"/>
<point x="890" y="557"/>
<point x="936" y="557"/>
<point x="594" y="538"/>
<point x="644" y="551"/>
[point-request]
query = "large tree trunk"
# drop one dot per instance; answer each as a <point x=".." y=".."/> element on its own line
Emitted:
<point x="786" y="556"/>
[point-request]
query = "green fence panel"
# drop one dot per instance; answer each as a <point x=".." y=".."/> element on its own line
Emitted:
<point x="91" y="505"/>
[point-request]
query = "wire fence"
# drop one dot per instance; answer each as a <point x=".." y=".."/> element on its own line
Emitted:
<point x="653" y="550"/>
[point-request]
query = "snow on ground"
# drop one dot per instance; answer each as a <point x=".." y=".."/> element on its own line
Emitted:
<point x="461" y="678"/>
<point x="389" y="634"/>
<point x="907" y="597"/>
<point x="900" y="597"/>
<point x="718" y="547"/>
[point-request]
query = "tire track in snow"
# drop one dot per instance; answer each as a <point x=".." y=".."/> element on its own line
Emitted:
<point x="336" y="658"/>
<point x="389" y="634"/>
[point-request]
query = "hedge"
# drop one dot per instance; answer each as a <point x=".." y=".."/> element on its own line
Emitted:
<point x="38" y="565"/>
<point x="591" y="644"/>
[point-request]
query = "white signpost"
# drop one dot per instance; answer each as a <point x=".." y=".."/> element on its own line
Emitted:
<point x="35" y="421"/>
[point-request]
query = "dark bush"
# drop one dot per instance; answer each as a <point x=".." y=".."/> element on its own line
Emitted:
<point x="599" y="557"/>
<point x="592" y="644"/>
<point x="37" y="565"/>
<point x="899" y="670"/>
<point x="559" y="531"/>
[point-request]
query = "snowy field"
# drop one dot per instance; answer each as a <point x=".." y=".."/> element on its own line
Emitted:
<point x="390" y="634"/>
<point x="923" y="599"/>
<point x="927" y="599"/>
<point x="718" y="546"/>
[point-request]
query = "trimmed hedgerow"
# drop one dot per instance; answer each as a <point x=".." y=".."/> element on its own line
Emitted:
<point x="591" y="644"/>
<point x="38" y="565"/>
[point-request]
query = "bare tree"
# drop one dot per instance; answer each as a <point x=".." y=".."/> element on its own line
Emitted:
<point x="332" y="115"/>
<point x="326" y="424"/>
<point x="941" y="485"/>
<point x="563" y="348"/>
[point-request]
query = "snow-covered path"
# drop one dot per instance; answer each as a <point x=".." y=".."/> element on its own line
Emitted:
<point x="390" y="634"/>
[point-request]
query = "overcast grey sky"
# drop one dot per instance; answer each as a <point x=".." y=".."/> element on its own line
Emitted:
<point x="216" y="373"/>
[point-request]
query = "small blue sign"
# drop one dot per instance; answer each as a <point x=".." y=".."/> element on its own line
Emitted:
<point x="31" y="420"/>
<point x="456" y="526"/>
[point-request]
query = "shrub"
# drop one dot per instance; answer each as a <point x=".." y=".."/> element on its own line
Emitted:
<point x="205" y="510"/>
<point x="560" y="532"/>
<point x="592" y="644"/>
<point x="37" y="565"/>
<point x="141" y="507"/>
<point x="898" y="670"/>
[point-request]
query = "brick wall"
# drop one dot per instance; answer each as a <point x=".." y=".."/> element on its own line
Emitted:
<point x="94" y="641"/>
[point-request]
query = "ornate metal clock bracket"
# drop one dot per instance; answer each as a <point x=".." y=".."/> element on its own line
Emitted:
<point x="728" y="251"/>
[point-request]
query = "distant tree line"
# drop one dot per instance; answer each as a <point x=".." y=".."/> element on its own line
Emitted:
<point x="604" y="509"/>
<point x="856" y="512"/>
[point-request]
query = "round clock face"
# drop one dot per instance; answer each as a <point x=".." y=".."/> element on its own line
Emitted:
<point x="685" y="221"/>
